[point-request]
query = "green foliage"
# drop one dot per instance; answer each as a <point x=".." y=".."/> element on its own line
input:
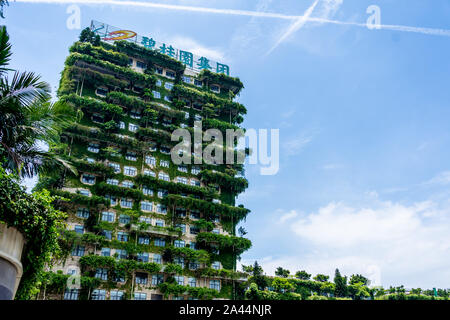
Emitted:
<point x="235" y="244"/>
<point x="91" y="105"/>
<point x="151" y="57"/>
<point x="92" y="262"/>
<point x="103" y="188"/>
<point x="302" y="275"/>
<point x="222" y="79"/>
<point x="100" y="53"/>
<point x="358" y="278"/>
<point x="35" y="217"/>
<point x="171" y="288"/>
<point x="282" y="272"/>
<point x="124" y="72"/>
<point x="224" y="180"/>
<point x="340" y="282"/>
<point x="321" y="278"/>
<point x="89" y="36"/>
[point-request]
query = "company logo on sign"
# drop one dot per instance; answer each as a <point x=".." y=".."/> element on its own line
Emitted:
<point x="110" y="34"/>
<point x="120" y="35"/>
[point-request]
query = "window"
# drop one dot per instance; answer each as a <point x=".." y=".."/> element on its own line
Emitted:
<point x="141" y="278"/>
<point x="157" y="279"/>
<point x="168" y="85"/>
<point x="127" y="184"/>
<point x="90" y="160"/>
<point x="88" y="178"/>
<point x="78" y="251"/>
<point x="146" y="220"/>
<point x="215" y="265"/>
<point x="108" y="216"/>
<point x="214" y="284"/>
<point x="115" y="166"/>
<point x="135" y="114"/>
<point x="182" y="227"/>
<point x="161" y="208"/>
<point x="179" y="280"/>
<point x="195" y="215"/>
<point x="129" y="171"/>
<point x="156" y="94"/>
<point x="162" y="193"/>
<point x="186" y="115"/>
<point x="159" y="223"/>
<point x="133" y="127"/>
<point x="148" y="192"/>
<point x="194" y="230"/>
<point x="112" y="199"/>
<point x="126" y="203"/>
<point x="193" y="246"/>
<point x="165" y="150"/>
<point x="215" y="89"/>
<point x="101" y="273"/>
<point x="182" y="169"/>
<point x="194" y="265"/>
<point x="140" y="296"/>
<point x="98" y="294"/>
<point x="106" y="252"/>
<point x="142" y="257"/>
<point x="216" y="231"/>
<point x="170" y="74"/>
<point x="146" y="206"/>
<point x="125" y="219"/>
<point x="141" y="64"/>
<point x="179" y="261"/>
<point x="143" y="240"/>
<point x="195" y="170"/>
<point x="148" y="172"/>
<point x="159" y="70"/>
<point x="192" y="282"/>
<point x="131" y="156"/>
<point x="71" y="294"/>
<point x="198" y="83"/>
<point x="122" y="254"/>
<point x="116" y="295"/>
<point x="93" y="147"/>
<point x="121" y="125"/>
<point x="159" y="242"/>
<point x="158" y="82"/>
<point x="113" y="182"/>
<point x="101" y="91"/>
<point x="195" y="183"/>
<point x="164" y="163"/>
<point x="163" y="176"/>
<point x="107" y="234"/>
<point x="151" y="161"/>
<point x="157" y="258"/>
<point x="182" y="180"/>
<point x="122" y="236"/>
<point x="180" y="212"/>
<point x="83" y="213"/>
<point x="85" y="192"/>
<point x="168" y="98"/>
<point x="179" y="243"/>
<point x="178" y="298"/>
<point x="187" y="79"/>
<point x="79" y="229"/>
<point x="198" y="117"/>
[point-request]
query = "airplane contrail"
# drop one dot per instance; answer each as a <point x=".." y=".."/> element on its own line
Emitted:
<point x="427" y="31"/>
<point x="298" y="24"/>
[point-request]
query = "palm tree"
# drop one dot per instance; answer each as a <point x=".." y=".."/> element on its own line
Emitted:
<point x="27" y="117"/>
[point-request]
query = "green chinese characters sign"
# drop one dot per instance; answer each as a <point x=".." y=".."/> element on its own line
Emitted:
<point x="110" y="34"/>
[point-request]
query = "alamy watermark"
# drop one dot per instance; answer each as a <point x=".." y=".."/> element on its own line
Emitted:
<point x="209" y="147"/>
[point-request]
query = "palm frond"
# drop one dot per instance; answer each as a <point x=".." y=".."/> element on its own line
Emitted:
<point x="5" y="49"/>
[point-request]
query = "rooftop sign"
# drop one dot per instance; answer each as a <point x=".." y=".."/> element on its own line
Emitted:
<point x="110" y="34"/>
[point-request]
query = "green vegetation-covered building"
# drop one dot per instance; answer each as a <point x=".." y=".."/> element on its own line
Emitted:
<point x="141" y="227"/>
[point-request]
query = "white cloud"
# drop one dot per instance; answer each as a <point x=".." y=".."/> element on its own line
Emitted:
<point x="398" y="244"/>
<point x="285" y="216"/>
<point x="196" y="48"/>
<point x="443" y="178"/>
<point x="295" y="145"/>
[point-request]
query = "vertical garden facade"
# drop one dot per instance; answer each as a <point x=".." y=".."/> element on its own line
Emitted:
<point x="139" y="226"/>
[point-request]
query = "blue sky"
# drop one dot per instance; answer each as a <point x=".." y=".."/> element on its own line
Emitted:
<point x="364" y="177"/>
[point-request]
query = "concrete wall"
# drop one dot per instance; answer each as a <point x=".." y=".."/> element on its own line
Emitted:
<point x="11" y="245"/>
